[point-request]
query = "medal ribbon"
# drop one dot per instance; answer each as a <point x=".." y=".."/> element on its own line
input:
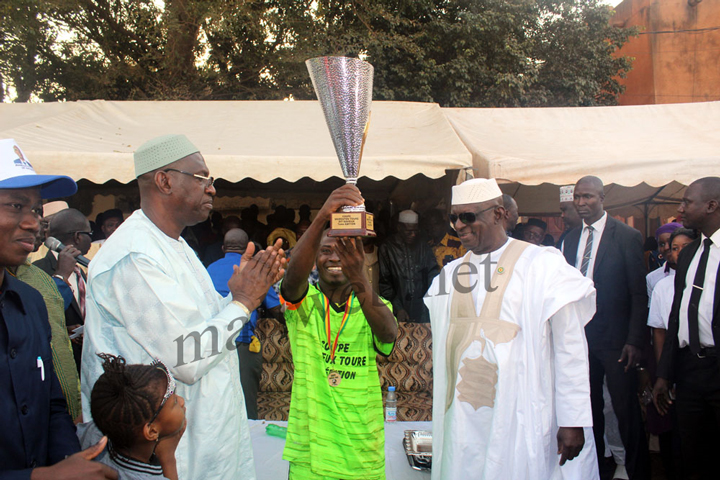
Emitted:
<point x="342" y="324"/>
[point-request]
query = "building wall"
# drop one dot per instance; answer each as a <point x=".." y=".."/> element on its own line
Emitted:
<point x="680" y="66"/>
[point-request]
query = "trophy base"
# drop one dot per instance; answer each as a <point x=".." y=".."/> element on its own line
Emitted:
<point x="352" y="224"/>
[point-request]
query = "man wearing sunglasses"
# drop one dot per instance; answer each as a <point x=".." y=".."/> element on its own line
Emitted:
<point x="72" y="228"/>
<point x="511" y="394"/>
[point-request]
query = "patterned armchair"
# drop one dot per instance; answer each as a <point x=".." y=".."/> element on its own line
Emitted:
<point x="278" y="371"/>
<point x="408" y="368"/>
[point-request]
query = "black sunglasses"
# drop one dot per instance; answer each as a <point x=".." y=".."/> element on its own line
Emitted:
<point x="467" y="217"/>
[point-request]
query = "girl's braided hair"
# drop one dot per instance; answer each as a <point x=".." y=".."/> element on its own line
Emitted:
<point x="124" y="398"/>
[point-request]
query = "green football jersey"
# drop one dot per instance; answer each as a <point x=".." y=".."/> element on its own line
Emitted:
<point x="336" y="431"/>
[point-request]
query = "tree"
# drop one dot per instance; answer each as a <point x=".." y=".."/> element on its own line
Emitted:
<point x="454" y="52"/>
<point x="26" y="41"/>
<point x="481" y="52"/>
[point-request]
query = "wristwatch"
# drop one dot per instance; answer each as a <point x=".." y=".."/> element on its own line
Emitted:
<point x="57" y="275"/>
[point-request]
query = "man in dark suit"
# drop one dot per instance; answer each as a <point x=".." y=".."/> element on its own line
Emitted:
<point x="690" y="353"/>
<point x="72" y="228"/>
<point x="610" y="252"/>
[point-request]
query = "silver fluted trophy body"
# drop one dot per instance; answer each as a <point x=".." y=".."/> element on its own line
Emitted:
<point x="343" y="86"/>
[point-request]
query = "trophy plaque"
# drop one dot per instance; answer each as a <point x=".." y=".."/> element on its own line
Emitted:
<point x="343" y="86"/>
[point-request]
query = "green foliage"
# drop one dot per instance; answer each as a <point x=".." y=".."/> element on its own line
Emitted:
<point x="454" y="52"/>
<point x="26" y="41"/>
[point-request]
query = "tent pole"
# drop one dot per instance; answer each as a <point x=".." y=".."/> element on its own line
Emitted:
<point x="647" y="210"/>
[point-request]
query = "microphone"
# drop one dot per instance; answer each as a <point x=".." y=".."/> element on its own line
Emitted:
<point x="56" y="245"/>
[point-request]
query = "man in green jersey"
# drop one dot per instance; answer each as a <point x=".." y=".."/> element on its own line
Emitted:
<point x="336" y="328"/>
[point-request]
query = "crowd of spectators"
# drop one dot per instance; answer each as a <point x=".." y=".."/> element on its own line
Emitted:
<point x="180" y="260"/>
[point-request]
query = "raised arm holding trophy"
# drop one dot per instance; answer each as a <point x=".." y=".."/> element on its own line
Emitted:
<point x="337" y="327"/>
<point x="344" y="88"/>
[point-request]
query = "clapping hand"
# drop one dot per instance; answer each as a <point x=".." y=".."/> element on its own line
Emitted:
<point x="256" y="273"/>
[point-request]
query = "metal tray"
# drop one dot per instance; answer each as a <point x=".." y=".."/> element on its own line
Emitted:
<point x="418" y="449"/>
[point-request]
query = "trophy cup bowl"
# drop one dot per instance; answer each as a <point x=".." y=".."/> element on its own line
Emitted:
<point x="343" y="86"/>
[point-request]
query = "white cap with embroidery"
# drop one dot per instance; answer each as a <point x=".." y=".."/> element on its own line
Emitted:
<point x="408" y="216"/>
<point x="567" y="193"/>
<point x="475" y="190"/>
<point x="162" y="151"/>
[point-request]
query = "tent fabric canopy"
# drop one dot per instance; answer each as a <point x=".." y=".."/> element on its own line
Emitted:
<point x="629" y="145"/>
<point x="645" y="155"/>
<point x="640" y="200"/>
<point x="263" y="140"/>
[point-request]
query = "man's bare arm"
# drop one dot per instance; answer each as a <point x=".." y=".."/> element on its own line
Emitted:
<point x="305" y="251"/>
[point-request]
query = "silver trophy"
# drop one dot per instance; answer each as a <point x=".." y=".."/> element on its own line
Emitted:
<point x="344" y="88"/>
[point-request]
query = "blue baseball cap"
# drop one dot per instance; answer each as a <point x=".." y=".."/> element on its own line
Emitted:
<point x="17" y="172"/>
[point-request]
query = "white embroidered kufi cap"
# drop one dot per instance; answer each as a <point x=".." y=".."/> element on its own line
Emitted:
<point x="162" y="151"/>
<point x="475" y="190"/>
<point x="408" y="216"/>
<point x="567" y="193"/>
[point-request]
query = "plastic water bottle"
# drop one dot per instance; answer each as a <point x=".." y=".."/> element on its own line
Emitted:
<point x="276" y="430"/>
<point x="391" y="406"/>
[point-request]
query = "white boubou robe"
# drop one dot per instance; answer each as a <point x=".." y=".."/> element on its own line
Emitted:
<point x="145" y="292"/>
<point x="517" y="377"/>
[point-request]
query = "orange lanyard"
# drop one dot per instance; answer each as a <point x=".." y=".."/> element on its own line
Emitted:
<point x="346" y="315"/>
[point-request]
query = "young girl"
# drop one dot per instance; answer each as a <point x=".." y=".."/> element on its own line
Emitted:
<point x="136" y="407"/>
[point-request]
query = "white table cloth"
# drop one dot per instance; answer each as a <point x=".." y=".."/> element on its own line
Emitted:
<point x="269" y="464"/>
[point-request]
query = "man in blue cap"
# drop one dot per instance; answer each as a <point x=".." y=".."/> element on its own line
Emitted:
<point x="38" y="434"/>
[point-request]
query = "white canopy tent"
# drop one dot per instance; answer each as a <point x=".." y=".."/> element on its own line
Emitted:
<point x="262" y="140"/>
<point x="643" y="154"/>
